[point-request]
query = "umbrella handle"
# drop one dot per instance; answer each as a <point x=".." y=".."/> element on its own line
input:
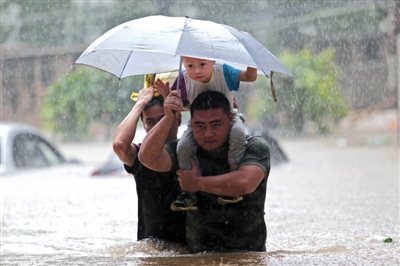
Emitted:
<point x="179" y="73"/>
<point x="272" y="87"/>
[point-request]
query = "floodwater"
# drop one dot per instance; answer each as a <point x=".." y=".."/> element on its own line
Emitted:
<point x="325" y="207"/>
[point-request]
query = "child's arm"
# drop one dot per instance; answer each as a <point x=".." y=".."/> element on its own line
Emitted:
<point x="248" y="75"/>
<point x="162" y="88"/>
<point x="235" y="104"/>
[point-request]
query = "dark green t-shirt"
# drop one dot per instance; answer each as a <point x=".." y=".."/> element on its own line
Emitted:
<point x="155" y="192"/>
<point x="238" y="226"/>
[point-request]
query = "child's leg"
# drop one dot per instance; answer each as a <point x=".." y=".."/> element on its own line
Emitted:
<point x="237" y="148"/>
<point x="237" y="143"/>
<point x="186" y="149"/>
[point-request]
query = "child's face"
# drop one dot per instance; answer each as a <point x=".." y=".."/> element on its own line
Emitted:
<point x="198" y="69"/>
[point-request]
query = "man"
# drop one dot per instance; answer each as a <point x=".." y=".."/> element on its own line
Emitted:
<point x="154" y="190"/>
<point x="238" y="226"/>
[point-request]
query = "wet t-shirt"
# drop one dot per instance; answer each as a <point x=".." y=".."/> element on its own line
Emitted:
<point x="155" y="193"/>
<point x="238" y="226"/>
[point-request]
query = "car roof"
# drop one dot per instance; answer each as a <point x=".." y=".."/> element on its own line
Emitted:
<point x="8" y="131"/>
<point x="17" y="126"/>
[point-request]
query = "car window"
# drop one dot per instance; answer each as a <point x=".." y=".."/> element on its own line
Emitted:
<point x="48" y="153"/>
<point x="30" y="150"/>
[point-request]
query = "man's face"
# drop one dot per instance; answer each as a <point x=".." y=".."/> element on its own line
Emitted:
<point x="198" y="69"/>
<point x="153" y="115"/>
<point x="211" y="128"/>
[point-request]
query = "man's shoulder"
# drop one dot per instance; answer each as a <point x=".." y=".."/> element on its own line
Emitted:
<point x="257" y="148"/>
<point x="256" y="141"/>
<point x="171" y="145"/>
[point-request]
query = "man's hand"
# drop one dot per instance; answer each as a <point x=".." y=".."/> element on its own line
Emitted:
<point x="145" y="95"/>
<point x="187" y="178"/>
<point x="240" y="182"/>
<point x="173" y="104"/>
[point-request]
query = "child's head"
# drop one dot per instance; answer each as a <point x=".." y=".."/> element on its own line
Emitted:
<point x="198" y="69"/>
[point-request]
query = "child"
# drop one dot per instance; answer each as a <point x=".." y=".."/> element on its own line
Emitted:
<point x="202" y="75"/>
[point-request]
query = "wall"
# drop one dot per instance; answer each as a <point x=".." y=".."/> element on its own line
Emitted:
<point x="25" y="76"/>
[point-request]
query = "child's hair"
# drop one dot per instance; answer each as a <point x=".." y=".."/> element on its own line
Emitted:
<point x="210" y="100"/>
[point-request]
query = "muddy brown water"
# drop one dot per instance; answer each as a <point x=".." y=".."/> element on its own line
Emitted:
<point x="325" y="207"/>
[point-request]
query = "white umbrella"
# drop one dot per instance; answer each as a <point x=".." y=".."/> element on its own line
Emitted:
<point x="155" y="44"/>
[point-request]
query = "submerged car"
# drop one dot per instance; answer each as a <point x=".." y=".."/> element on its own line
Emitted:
<point x="111" y="167"/>
<point x="114" y="167"/>
<point x="24" y="147"/>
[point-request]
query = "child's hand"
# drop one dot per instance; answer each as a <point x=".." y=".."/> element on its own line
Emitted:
<point x="248" y="75"/>
<point x="162" y="88"/>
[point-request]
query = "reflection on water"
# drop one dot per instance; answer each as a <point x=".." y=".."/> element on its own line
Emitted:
<point x="324" y="207"/>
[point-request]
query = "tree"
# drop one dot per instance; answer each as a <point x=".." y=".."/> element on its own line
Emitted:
<point x="311" y="96"/>
<point x="85" y="96"/>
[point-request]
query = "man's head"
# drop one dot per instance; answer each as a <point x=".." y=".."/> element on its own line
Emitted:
<point x="152" y="114"/>
<point x="211" y="120"/>
<point x="198" y="69"/>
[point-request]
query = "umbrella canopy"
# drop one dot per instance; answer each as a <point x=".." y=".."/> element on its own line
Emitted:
<point x="155" y="44"/>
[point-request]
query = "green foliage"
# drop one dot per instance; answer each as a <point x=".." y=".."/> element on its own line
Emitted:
<point x="311" y="96"/>
<point x="85" y="96"/>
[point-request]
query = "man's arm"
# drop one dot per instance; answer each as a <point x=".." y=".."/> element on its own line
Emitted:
<point x="152" y="153"/>
<point x="126" y="131"/>
<point x="248" y="75"/>
<point x="240" y="182"/>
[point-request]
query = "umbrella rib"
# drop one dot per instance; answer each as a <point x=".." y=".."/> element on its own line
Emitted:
<point x="180" y="38"/>
<point x="126" y="62"/>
